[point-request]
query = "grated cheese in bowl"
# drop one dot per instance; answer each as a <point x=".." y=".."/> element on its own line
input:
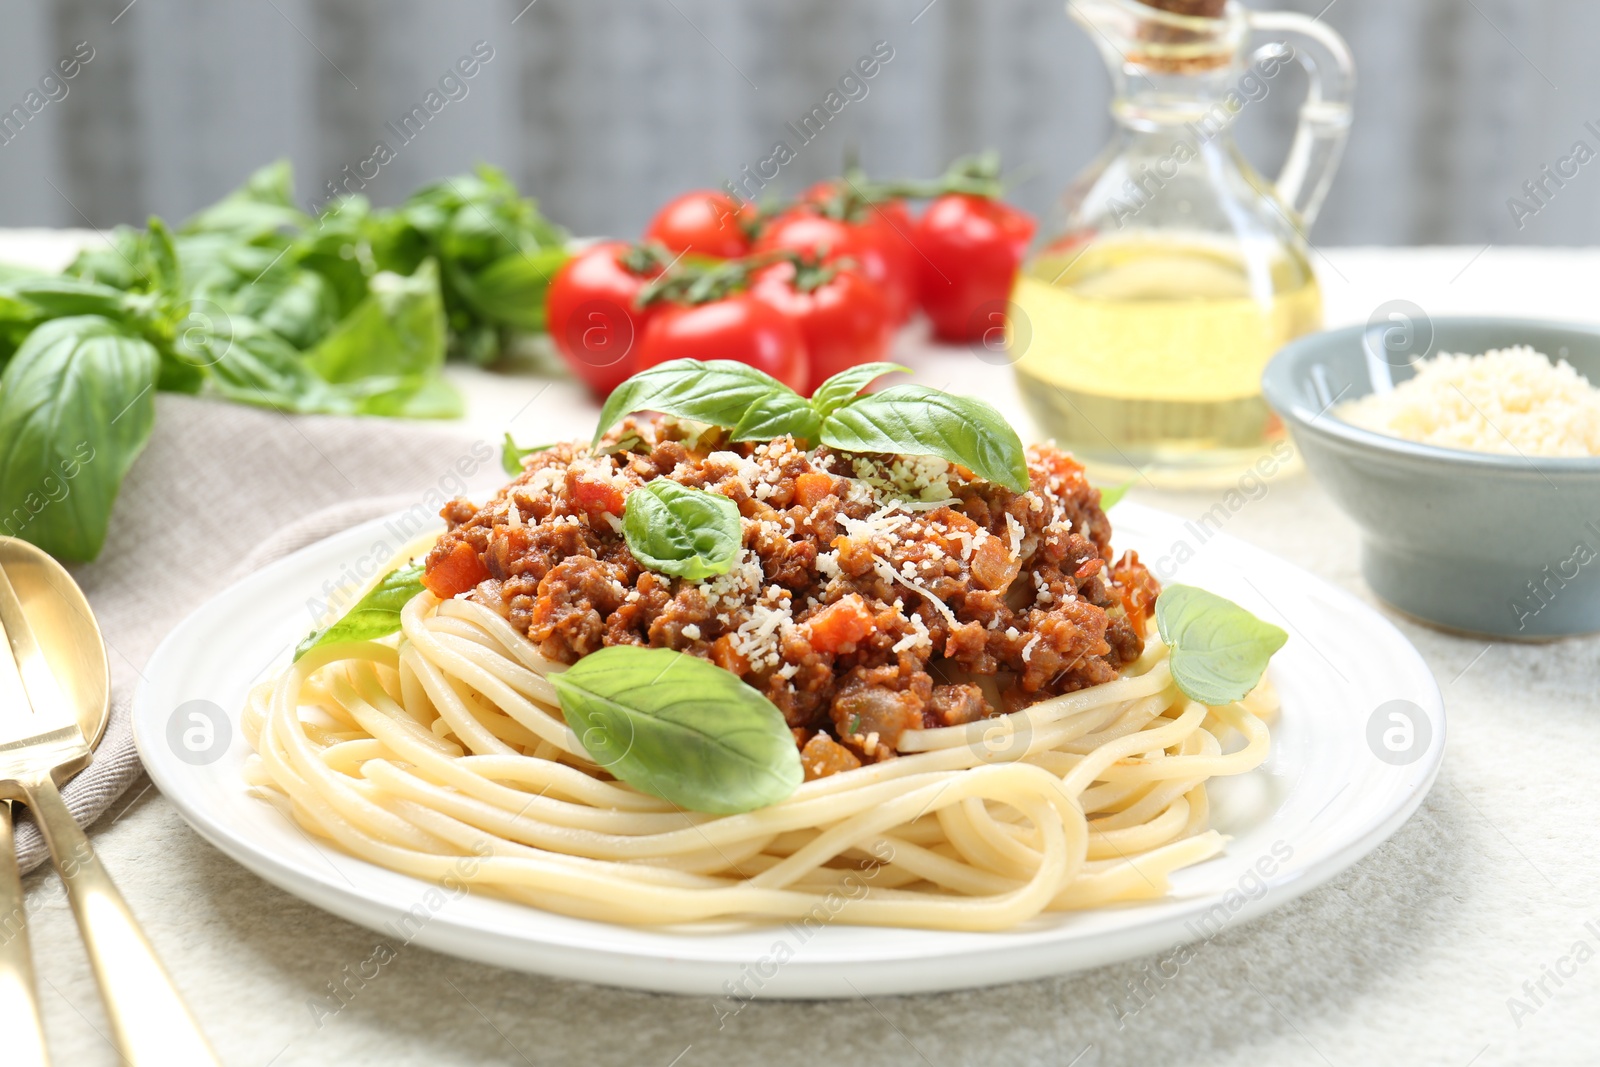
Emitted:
<point x="1512" y="401"/>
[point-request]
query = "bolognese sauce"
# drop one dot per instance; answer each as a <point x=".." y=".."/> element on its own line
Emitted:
<point x="872" y="594"/>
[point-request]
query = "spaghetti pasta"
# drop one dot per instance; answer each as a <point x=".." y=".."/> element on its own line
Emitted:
<point x="447" y="740"/>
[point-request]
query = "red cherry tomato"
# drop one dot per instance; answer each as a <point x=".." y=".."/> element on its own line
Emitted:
<point x="739" y="327"/>
<point x="845" y="319"/>
<point x="880" y="246"/>
<point x="705" y="222"/>
<point x="591" y="316"/>
<point x="971" y="248"/>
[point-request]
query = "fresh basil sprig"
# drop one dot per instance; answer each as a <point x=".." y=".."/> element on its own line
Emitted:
<point x="918" y="421"/>
<point x="512" y="454"/>
<point x="1111" y="495"/>
<point x="679" y="728"/>
<point x="777" y="414"/>
<point x="1219" y="650"/>
<point x="845" y="387"/>
<point x="907" y="419"/>
<point x="718" y="391"/>
<point x="688" y="533"/>
<point x="375" y="615"/>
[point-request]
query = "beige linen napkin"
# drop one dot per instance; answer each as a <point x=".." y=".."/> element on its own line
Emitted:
<point x="223" y="489"/>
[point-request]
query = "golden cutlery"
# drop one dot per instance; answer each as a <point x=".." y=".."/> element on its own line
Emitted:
<point x="21" y="1029"/>
<point x="41" y="743"/>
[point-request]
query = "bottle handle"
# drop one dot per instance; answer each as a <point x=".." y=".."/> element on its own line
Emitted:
<point x="1324" y="117"/>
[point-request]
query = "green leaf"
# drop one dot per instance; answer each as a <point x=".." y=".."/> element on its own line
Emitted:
<point x="392" y="343"/>
<point x="297" y="304"/>
<point x="1219" y="650"/>
<point x="76" y="409"/>
<point x="512" y="454"/>
<point x="688" y="533"/>
<point x="111" y="263"/>
<point x="165" y="276"/>
<point x="375" y="615"/>
<point x="718" y="391"/>
<point x="496" y="255"/>
<point x="843" y="387"/>
<point x="1111" y="496"/>
<point x="263" y="205"/>
<point x="777" y="414"/>
<point x="918" y="421"/>
<point x="59" y="297"/>
<point x="511" y="291"/>
<point x="435" y="398"/>
<point x="250" y="364"/>
<point x="676" y="727"/>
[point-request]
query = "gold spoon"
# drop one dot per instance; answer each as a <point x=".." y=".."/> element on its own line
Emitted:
<point x="53" y="680"/>
<point x="90" y="693"/>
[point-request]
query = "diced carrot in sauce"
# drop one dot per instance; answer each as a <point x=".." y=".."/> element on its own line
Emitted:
<point x="1139" y="589"/>
<point x="595" y="497"/>
<point x="730" y="659"/>
<point x="456" y="573"/>
<point x="992" y="565"/>
<point x="811" y="488"/>
<point x="844" y="622"/>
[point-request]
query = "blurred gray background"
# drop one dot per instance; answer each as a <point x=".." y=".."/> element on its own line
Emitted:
<point x="603" y="108"/>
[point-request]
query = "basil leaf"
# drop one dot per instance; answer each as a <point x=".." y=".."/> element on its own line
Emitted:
<point x="165" y="276"/>
<point x="1111" y="496"/>
<point x="77" y="403"/>
<point x="511" y="454"/>
<point x="511" y="290"/>
<point x="434" y="398"/>
<point x="717" y="391"/>
<point x="251" y="364"/>
<point x="112" y="261"/>
<point x="777" y="414"/>
<point x="917" y="421"/>
<point x="677" y="727"/>
<point x="687" y="533"/>
<point x="390" y="347"/>
<point x="59" y="297"/>
<point x="375" y="615"/>
<point x="263" y="205"/>
<point x="842" y="388"/>
<point x="1219" y="650"/>
<point x="299" y="305"/>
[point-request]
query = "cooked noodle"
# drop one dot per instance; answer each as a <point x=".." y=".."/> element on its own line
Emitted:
<point x="447" y="742"/>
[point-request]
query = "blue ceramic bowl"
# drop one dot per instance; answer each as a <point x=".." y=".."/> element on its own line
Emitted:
<point x="1502" y="546"/>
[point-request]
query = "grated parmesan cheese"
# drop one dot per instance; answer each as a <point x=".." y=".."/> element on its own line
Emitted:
<point x="1507" y="401"/>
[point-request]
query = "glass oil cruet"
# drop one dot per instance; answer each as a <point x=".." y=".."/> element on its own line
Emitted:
<point x="1140" y="332"/>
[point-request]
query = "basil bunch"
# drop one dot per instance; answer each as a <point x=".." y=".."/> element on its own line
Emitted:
<point x="496" y="256"/>
<point x="905" y="419"/>
<point x="352" y="312"/>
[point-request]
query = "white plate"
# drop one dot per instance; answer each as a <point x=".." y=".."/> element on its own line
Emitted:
<point x="1322" y="801"/>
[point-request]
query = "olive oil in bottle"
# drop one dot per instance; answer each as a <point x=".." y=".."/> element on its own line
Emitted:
<point x="1145" y="356"/>
<point x="1139" y="333"/>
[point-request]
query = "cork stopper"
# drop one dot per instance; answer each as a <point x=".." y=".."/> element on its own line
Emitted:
<point x="1208" y="9"/>
<point x="1181" y="50"/>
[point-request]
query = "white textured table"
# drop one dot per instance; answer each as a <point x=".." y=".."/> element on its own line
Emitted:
<point x="1411" y="957"/>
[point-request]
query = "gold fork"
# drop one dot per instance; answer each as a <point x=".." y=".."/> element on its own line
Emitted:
<point x="20" y="1025"/>
<point x="41" y="741"/>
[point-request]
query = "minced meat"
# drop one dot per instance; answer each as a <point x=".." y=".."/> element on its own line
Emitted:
<point x="873" y="594"/>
